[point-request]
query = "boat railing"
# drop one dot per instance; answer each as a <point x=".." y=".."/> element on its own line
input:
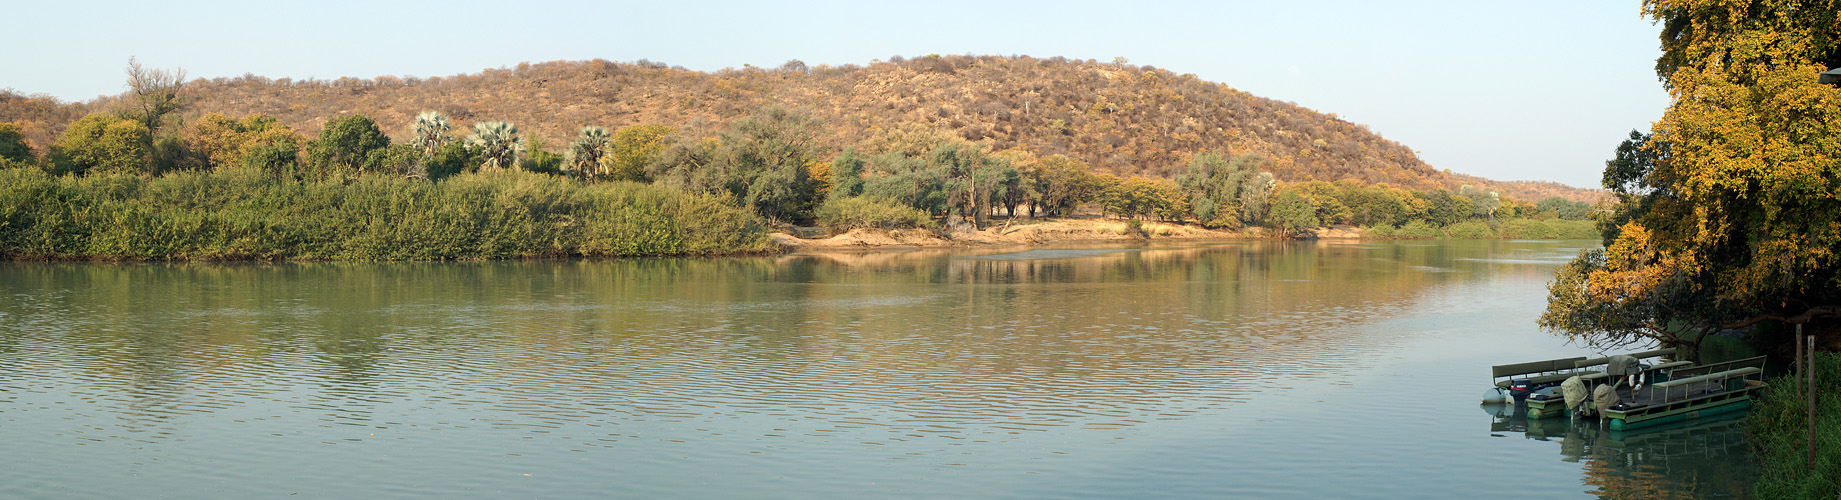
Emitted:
<point x="1696" y="371"/>
<point x="1748" y="376"/>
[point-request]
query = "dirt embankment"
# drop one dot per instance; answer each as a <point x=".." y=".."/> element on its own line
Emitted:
<point x="1032" y="232"/>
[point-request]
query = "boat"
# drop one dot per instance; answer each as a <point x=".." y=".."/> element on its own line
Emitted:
<point x="1628" y="394"/>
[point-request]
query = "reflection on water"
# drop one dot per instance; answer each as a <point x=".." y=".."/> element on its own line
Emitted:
<point x="927" y="373"/>
<point x="1689" y="459"/>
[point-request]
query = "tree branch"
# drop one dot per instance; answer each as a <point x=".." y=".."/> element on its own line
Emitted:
<point x="1804" y="318"/>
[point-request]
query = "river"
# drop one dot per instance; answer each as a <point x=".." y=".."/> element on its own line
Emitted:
<point x="1223" y="370"/>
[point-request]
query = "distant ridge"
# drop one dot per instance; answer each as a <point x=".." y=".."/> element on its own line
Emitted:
<point x="1120" y="118"/>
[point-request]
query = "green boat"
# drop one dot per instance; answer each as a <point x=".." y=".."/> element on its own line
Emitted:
<point x="1690" y="394"/>
<point x="1676" y="391"/>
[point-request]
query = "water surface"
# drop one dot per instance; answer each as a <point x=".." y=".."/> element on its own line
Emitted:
<point x="1241" y="370"/>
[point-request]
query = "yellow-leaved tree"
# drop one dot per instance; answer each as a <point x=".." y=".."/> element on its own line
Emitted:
<point x="1729" y="213"/>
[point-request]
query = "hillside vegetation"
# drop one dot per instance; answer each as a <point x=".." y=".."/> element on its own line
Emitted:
<point x="1120" y="118"/>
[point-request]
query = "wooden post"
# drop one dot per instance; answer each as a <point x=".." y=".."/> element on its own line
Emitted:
<point x="1811" y="390"/>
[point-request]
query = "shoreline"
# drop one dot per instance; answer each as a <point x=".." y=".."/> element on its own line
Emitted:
<point x="1035" y="232"/>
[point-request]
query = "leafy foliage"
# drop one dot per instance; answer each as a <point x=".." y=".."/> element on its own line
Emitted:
<point x="13" y="145"/>
<point x="1292" y="213"/>
<point x="103" y="143"/>
<point x="634" y="149"/>
<point x="842" y="214"/>
<point x="219" y="142"/>
<point x="345" y="145"/>
<point x="1214" y="182"/>
<point x="1730" y="212"/>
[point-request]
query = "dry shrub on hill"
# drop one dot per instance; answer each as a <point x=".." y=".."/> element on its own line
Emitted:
<point x="1122" y="119"/>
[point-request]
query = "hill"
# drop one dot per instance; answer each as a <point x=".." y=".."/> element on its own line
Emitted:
<point x="1121" y="118"/>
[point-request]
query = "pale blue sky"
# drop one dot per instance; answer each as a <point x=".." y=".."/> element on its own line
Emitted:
<point x="1506" y="90"/>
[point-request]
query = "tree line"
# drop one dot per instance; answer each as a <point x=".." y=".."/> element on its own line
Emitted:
<point x="772" y="162"/>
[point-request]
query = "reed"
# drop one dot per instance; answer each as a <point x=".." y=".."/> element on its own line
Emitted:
<point x="250" y="215"/>
<point x="1779" y="433"/>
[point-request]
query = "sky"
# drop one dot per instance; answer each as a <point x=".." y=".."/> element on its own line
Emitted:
<point x="1504" y="90"/>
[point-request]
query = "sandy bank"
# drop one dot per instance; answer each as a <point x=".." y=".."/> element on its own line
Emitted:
<point x="1030" y="232"/>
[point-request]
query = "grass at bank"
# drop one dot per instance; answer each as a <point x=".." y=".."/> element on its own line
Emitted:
<point x="1515" y="229"/>
<point x="252" y="215"/>
<point x="1779" y="432"/>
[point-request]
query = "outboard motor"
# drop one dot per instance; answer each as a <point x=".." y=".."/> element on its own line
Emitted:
<point x="1520" y="389"/>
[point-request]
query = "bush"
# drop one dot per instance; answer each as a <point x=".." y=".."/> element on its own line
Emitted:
<point x="249" y="214"/>
<point x="1528" y="229"/>
<point x="1418" y="229"/>
<point x="840" y="215"/>
<point x="1555" y="229"/>
<point x="1470" y="229"/>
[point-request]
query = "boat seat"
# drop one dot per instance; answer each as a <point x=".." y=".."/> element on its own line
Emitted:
<point x="1539" y="379"/>
<point x="1533" y="367"/>
<point x="1671" y="364"/>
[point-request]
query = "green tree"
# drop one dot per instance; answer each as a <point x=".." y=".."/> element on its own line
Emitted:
<point x="1213" y="183"/>
<point x="691" y="165"/>
<point x="1328" y="200"/>
<point x="450" y="159"/>
<point x="1376" y="205"/>
<point x="13" y="144"/>
<point x="1064" y="183"/>
<point x="1022" y="190"/>
<point x="1483" y="204"/>
<point x="398" y="160"/>
<point x="538" y="157"/>
<point x="1444" y="209"/>
<point x="1626" y="174"/>
<point x="345" y="144"/>
<point x="1292" y="213"/>
<point x="907" y="180"/>
<point x="972" y="180"/>
<point x="497" y="144"/>
<point x="765" y="156"/>
<point x="1562" y="208"/>
<point x="846" y="176"/>
<point x="103" y="143"/>
<point x="1255" y="198"/>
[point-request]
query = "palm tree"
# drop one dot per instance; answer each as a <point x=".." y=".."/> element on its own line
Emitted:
<point x="586" y="152"/>
<point x="498" y="143"/>
<point x="429" y="132"/>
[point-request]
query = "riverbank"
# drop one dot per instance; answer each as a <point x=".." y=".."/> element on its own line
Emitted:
<point x="1043" y="231"/>
<point x="1021" y="232"/>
